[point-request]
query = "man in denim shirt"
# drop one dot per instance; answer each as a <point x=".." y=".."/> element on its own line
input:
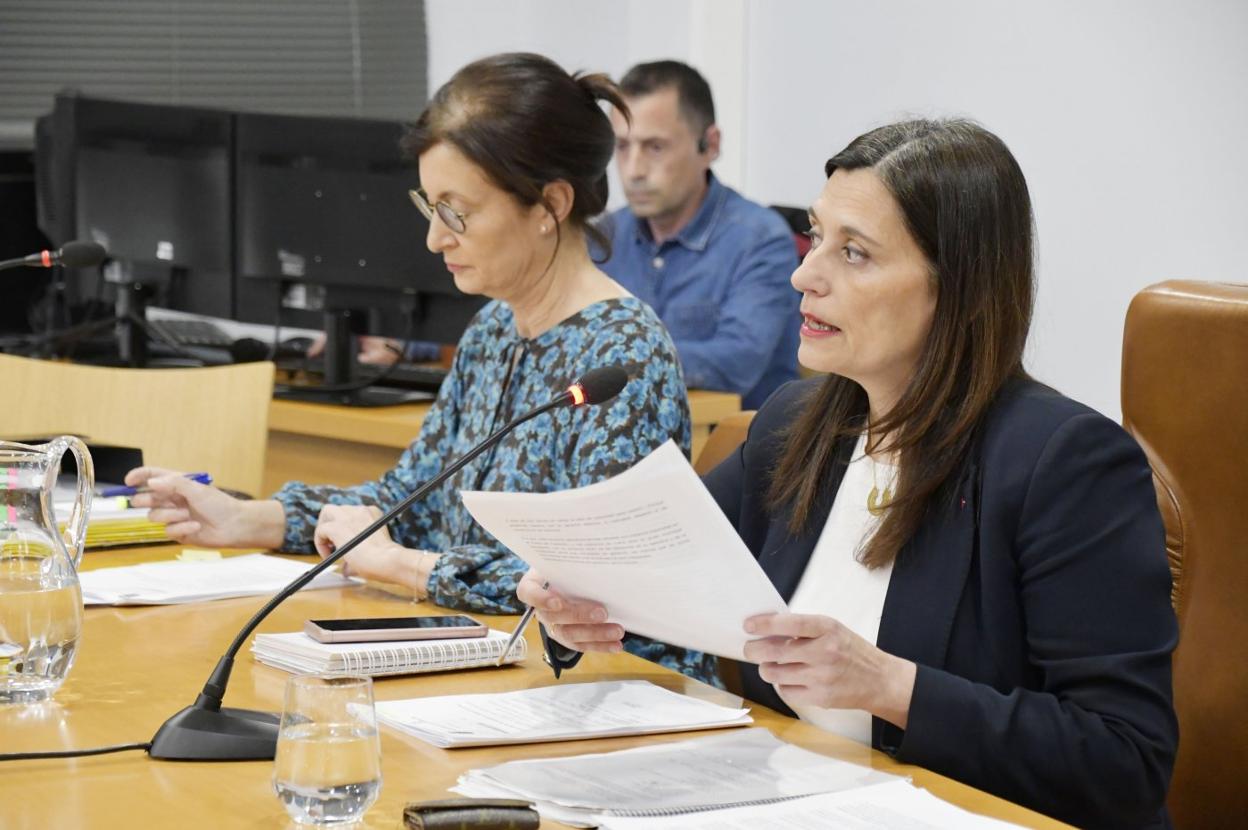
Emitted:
<point x="714" y="265"/>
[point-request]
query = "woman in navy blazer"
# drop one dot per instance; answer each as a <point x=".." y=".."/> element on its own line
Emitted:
<point x="1025" y="632"/>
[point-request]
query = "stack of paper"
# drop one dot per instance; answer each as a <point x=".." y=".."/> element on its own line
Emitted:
<point x="642" y="544"/>
<point x="171" y="583"/>
<point x="297" y="652"/>
<point x="566" y="712"/>
<point x="737" y="768"/>
<point x="113" y="522"/>
<point x="893" y="806"/>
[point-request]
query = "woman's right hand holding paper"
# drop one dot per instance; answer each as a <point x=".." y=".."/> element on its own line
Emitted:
<point x="579" y="624"/>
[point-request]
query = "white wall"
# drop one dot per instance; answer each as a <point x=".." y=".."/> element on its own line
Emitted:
<point x="593" y="35"/>
<point x="590" y="35"/>
<point x="1130" y="120"/>
<point x="1129" y="117"/>
<point x="605" y="36"/>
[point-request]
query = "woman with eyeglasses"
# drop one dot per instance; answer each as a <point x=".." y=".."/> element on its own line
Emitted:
<point x="513" y="154"/>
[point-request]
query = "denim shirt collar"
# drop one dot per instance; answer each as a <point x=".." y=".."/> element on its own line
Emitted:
<point x="697" y="233"/>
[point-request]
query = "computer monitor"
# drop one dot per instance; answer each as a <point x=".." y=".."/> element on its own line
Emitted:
<point x="26" y="307"/>
<point x="327" y="235"/>
<point x="151" y="183"/>
<point x="302" y="221"/>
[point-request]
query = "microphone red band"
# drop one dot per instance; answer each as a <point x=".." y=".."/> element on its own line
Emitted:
<point x="578" y="394"/>
<point x="77" y="254"/>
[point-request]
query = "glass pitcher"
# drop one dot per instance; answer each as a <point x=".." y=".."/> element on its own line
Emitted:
<point x="40" y="600"/>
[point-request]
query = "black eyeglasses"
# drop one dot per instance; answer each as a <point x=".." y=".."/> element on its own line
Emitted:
<point x="450" y="217"/>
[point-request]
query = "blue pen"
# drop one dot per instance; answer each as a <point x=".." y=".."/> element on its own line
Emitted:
<point x="109" y="492"/>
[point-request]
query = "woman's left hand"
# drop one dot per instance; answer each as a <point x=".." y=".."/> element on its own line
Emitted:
<point x="813" y="660"/>
<point x="377" y="557"/>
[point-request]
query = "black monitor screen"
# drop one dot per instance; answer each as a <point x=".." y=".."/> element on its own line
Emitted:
<point x="325" y="222"/>
<point x="152" y="184"/>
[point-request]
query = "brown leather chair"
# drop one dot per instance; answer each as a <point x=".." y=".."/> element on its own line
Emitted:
<point x="1185" y="399"/>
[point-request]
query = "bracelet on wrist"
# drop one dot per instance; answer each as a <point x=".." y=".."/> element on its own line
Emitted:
<point x="424" y="572"/>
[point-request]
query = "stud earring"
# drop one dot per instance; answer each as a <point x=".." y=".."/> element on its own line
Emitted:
<point x="544" y="229"/>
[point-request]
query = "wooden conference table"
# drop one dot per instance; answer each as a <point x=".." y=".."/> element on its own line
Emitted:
<point x="344" y="445"/>
<point x="137" y="666"/>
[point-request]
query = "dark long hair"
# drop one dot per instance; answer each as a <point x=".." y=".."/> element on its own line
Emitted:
<point x="965" y="203"/>
<point x="526" y="123"/>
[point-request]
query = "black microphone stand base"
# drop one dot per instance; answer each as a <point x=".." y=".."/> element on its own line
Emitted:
<point x="199" y="734"/>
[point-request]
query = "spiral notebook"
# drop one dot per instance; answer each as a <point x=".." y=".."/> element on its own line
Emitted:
<point x="298" y="653"/>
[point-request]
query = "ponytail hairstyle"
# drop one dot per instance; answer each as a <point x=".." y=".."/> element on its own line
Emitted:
<point x="966" y="205"/>
<point x="526" y="123"/>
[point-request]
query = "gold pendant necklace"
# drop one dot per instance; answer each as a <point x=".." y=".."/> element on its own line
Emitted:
<point x="878" y="502"/>
<point x="876" y="505"/>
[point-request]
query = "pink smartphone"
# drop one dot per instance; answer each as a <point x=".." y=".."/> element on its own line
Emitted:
<point x="393" y="628"/>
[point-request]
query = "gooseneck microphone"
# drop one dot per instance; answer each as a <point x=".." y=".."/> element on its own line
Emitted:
<point x="77" y="254"/>
<point x="206" y="731"/>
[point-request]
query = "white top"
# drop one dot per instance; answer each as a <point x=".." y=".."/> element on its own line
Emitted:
<point x="836" y="585"/>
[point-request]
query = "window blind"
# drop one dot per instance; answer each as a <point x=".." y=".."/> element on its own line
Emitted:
<point x="308" y="57"/>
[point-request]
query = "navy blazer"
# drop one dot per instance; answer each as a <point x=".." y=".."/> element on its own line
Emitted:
<point x="1035" y="602"/>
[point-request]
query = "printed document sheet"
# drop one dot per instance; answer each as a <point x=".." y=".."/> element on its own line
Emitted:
<point x="892" y="806"/>
<point x="564" y="712"/>
<point x="650" y="544"/>
<point x="738" y="767"/>
<point x="174" y="582"/>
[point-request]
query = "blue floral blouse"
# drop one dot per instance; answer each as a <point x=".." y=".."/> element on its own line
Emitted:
<point x="498" y="375"/>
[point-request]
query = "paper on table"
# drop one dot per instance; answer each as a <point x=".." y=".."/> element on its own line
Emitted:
<point x="650" y="544"/>
<point x="172" y="582"/>
<point x="749" y="765"/>
<point x="112" y="521"/>
<point x="570" y="711"/>
<point x="880" y="807"/>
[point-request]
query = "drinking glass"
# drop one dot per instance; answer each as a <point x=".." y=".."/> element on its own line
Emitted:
<point x="328" y="765"/>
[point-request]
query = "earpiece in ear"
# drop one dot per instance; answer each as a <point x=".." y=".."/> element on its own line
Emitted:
<point x="702" y="145"/>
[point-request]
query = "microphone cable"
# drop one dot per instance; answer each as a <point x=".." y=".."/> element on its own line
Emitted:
<point x="73" y="753"/>
<point x="277" y="324"/>
<point x="97" y="310"/>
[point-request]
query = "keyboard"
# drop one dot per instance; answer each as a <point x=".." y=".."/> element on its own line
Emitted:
<point x="422" y="378"/>
<point x="192" y="332"/>
<point x="405" y="376"/>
